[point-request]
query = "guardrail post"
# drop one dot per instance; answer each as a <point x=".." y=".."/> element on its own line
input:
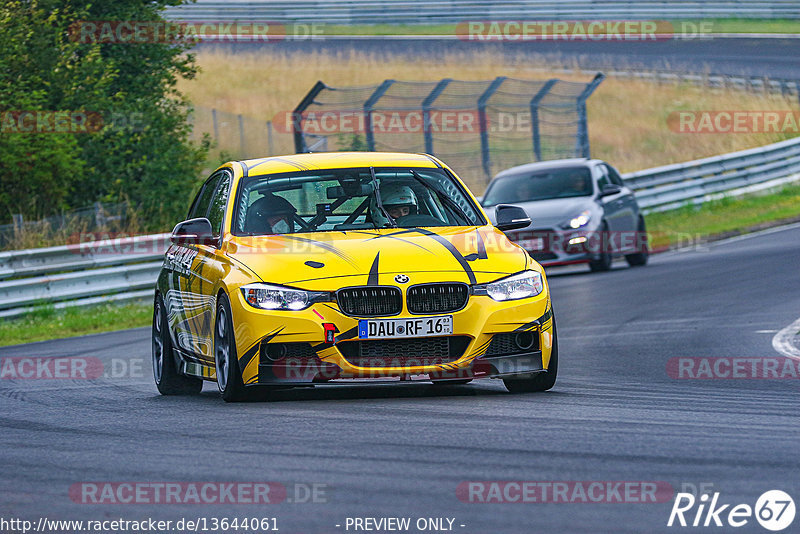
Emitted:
<point x="537" y="98"/>
<point x="368" y="108"/>
<point x="426" y="113"/>
<point x="297" y="116"/>
<point x="484" y="125"/>
<point x="269" y="139"/>
<point x="241" y="136"/>
<point x="582" y="141"/>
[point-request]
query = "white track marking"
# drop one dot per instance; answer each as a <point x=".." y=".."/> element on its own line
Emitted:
<point x="782" y="342"/>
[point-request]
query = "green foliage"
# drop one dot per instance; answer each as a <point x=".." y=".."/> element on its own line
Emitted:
<point x="352" y="143"/>
<point x="141" y="152"/>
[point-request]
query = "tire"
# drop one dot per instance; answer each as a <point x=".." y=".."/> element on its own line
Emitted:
<point x="639" y="259"/>
<point x="226" y="360"/>
<point x="165" y="373"/>
<point x="539" y="381"/>
<point x="603" y="263"/>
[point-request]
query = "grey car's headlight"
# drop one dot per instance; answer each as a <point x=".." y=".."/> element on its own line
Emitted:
<point x="269" y="297"/>
<point x="519" y="286"/>
<point x="578" y="221"/>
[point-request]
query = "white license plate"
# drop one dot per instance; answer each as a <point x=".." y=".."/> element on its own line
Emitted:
<point x="440" y="325"/>
<point x="536" y="243"/>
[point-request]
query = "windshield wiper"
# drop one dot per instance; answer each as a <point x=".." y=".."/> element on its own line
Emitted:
<point x="378" y="199"/>
<point x="441" y="196"/>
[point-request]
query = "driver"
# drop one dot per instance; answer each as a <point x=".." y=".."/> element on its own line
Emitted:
<point x="398" y="201"/>
<point x="576" y="183"/>
<point x="270" y="214"/>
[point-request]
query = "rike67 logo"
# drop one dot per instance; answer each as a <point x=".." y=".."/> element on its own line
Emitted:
<point x="774" y="510"/>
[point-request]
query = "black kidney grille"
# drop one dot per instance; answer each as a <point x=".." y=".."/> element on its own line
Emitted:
<point x="370" y="301"/>
<point x="437" y="298"/>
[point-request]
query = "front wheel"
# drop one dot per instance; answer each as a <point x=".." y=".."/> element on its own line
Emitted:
<point x="168" y="380"/>
<point x="229" y="375"/>
<point x="639" y="259"/>
<point x="539" y="381"/>
<point x="603" y="262"/>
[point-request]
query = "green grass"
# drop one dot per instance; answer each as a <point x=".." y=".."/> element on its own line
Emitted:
<point x="730" y="214"/>
<point x="681" y="226"/>
<point x="44" y="322"/>
<point x="713" y="26"/>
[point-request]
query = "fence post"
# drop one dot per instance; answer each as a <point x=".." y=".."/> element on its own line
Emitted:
<point x="241" y="136"/>
<point x="297" y="116"/>
<point x="368" y="106"/>
<point x="426" y="113"/>
<point x="216" y="126"/>
<point x="483" y="125"/>
<point x="269" y="139"/>
<point x="537" y="98"/>
<point x="582" y="141"/>
<point x="16" y="220"/>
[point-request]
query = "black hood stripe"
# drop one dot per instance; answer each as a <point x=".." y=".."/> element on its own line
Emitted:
<point x="372" y="279"/>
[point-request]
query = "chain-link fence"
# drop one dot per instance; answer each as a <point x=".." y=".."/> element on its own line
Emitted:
<point x="478" y="127"/>
<point x="65" y="227"/>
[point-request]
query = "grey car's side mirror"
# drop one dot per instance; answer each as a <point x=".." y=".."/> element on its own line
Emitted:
<point x="609" y="190"/>
<point x="194" y="231"/>
<point x="510" y="217"/>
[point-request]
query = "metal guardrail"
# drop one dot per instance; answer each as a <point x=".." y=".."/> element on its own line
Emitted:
<point x="455" y="11"/>
<point x="125" y="269"/>
<point x="671" y="186"/>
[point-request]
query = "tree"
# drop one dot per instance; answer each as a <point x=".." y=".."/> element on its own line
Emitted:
<point x="141" y="151"/>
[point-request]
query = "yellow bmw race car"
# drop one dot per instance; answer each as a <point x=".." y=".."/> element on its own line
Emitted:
<point x="330" y="268"/>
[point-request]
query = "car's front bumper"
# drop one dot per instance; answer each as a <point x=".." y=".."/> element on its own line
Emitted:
<point x="472" y="353"/>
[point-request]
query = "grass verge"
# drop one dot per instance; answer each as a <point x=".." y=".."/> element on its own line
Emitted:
<point x="723" y="218"/>
<point x="47" y="323"/>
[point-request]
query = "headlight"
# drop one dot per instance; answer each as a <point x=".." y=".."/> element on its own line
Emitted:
<point x="269" y="297"/>
<point x="518" y="286"/>
<point x="581" y="220"/>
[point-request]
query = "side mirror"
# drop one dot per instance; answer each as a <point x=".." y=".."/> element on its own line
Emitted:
<point x="510" y="217"/>
<point x="193" y="232"/>
<point x="609" y="190"/>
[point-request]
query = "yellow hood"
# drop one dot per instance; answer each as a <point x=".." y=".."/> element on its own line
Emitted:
<point x="326" y="261"/>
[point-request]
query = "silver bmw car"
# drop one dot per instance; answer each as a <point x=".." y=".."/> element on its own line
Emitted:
<point x="582" y="212"/>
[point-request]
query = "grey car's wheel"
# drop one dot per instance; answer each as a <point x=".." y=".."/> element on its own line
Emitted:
<point x="229" y="376"/>
<point x="639" y="259"/>
<point x="603" y="262"/>
<point x="168" y="380"/>
<point x="539" y="381"/>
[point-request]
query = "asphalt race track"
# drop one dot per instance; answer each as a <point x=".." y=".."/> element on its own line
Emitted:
<point x="614" y="415"/>
<point x="738" y="56"/>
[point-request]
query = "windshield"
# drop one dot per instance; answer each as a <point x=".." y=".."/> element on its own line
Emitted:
<point x="543" y="185"/>
<point x="351" y="199"/>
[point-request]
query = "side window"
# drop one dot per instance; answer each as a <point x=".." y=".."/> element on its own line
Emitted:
<point x="613" y="175"/>
<point x="200" y="205"/>
<point x="216" y="212"/>
<point x="603" y="180"/>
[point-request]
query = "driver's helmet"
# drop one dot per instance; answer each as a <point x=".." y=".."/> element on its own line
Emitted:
<point x="398" y="200"/>
<point x="270" y="214"/>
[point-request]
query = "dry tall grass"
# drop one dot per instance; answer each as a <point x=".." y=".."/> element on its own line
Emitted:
<point x="627" y="118"/>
